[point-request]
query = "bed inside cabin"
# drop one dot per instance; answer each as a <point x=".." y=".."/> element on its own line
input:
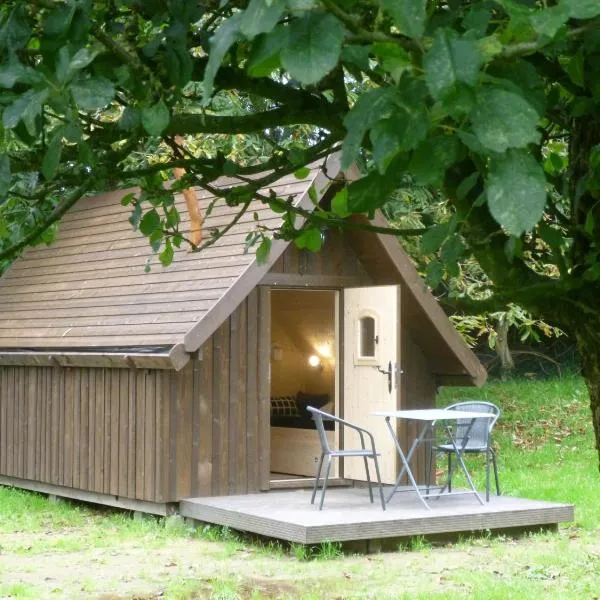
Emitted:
<point x="303" y="373"/>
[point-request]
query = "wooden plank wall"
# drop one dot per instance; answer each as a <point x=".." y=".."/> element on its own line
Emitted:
<point x="94" y="429"/>
<point x="152" y="435"/>
<point x="337" y="258"/>
<point x="226" y="447"/>
<point x="419" y="391"/>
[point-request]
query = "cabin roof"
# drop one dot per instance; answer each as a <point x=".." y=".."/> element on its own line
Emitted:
<point x="88" y="298"/>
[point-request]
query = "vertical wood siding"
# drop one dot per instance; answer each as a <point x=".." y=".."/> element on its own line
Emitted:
<point x="336" y="258"/>
<point x="151" y="435"/>
<point x="419" y="391"/>
<point x="86" y="428"/>
<point x="222" y="431"/>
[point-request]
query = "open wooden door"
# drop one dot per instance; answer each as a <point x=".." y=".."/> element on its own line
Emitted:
<point x="371" y="371"/>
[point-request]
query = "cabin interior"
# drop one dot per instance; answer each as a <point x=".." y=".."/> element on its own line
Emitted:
<point x="304" y="366"/>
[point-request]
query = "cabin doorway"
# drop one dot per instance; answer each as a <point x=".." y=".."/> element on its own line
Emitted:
<point x="304" y="372"/>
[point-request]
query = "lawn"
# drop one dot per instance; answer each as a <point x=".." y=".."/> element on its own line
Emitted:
<point x="545" y="450"/>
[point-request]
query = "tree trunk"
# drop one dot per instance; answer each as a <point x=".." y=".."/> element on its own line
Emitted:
<point x="589" y="350"/>
<point x="507" y="364"/>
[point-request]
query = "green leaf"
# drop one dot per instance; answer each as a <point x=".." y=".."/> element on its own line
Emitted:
<point x="26" y="108"/>
<point x="516" y="191"/>
<point x="16" y="30"/>
<point x="310" y="238"/>
<point x="172" y="217"/>
<point x="167" y="255"/>
<point x="431" y="159"/>
<point x="127" y="199"/>
<point x="156" y="240"/>
<point x="261" y="16"/>
<point x="409" y="15"/>
<point x="313" y="46"/>
<point x="582" y="9"/>
<point x="356" y="55"/>
<point x="15" y="72"/>
<point x="60" y="19"/>
<point x="339" y="204"/>
<point x="51" y="159"/>
<point x="452" y="250"/>
<point x="433" y="238"/>
<point x="459" y="101"/>
<point x="394" y="59"/>
<point x="93" y="93"/>
<point x="449" y="61"/>
<point x="82" y="58"/>
<point x="263" y="251"/>
<point x="227" y="34"/>
<point x="156" y="118"/>
<point x="503" y="119"/>
<point x="369" y="108"/>
<point x="401" y="132"/>
<point x="150" y="222"/>
<point x="477" y="19"/>
<point x="434" y="273"/>
<point x="372" y="191"/>
<point x="130" y="119"/>
<point x="548" y="21"/>
<point x="575" y="68"/>
<point x="5" y="175"/>
<point x="264" y="56"/>
<point x="466" y="185"/>
<point x="302" y="173"/>
<point x="136" y="215"/>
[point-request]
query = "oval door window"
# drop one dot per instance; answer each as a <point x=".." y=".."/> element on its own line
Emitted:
<point x="367" y="337"/>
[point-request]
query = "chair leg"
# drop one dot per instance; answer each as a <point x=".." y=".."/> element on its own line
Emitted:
<point x="368" y="478"/>
<point x="379" y="482"/>
<point x="449" y="471"/>
<point x="312" y="499"/>
<point x="487" y="475"/>
<point x="325" y="481"/>
<point x="428" y="463"/>
<point x="498" y="493"/>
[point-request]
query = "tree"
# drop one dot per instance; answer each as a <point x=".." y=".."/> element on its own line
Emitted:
<point x="493" y="103"/>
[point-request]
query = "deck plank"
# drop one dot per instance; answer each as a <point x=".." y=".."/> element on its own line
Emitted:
<point x="348" y="515"/>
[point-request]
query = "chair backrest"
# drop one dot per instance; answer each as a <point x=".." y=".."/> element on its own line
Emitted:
<point x="318" y="417"/>
<point x="480" y="432"/>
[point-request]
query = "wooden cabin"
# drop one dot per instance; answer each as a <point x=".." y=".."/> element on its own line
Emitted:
<point x="138" y="389"/>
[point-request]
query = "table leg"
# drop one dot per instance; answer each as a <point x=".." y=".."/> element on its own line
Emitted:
<point x="406" y="462"/>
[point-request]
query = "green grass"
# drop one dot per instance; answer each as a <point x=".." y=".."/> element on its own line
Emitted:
<point x="544" y="441"/>
<point x="545" y="450"/>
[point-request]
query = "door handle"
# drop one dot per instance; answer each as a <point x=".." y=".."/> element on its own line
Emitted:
<point x="389" y="375"/>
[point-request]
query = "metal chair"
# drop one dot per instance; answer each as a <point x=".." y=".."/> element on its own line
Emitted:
<point x="318" y="417"/>
<point x="479" y="439"/>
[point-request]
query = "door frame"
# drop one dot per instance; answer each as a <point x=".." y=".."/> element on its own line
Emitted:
<point x="265" y="356"/>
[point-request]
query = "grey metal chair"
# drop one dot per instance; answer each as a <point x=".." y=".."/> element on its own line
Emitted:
<point x="479" y="440"/>
<point x="318" y="417"/>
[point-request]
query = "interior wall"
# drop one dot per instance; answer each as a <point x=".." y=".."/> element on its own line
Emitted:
<point x="303" y="324"/>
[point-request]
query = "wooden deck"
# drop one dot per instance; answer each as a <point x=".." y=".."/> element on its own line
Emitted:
<point x="347" y="515"/>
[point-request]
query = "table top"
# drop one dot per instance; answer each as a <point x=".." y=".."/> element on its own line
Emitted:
<point x="433" y="414"/>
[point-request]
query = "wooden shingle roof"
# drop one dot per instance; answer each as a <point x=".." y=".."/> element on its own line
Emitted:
<point x="87" y="299"/>
<point x="90" y="288"/>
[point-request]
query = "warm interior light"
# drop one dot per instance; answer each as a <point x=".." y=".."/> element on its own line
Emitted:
<point x="314" y="360"/>
<point x="324" y="349"/>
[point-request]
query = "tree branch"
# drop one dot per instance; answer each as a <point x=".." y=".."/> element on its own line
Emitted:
<point x="183" y="123"/>
<point x="50" y="219"/>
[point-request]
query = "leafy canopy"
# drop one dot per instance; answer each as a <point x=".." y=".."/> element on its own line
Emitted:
<point x="492" y="102"/>
<point x="494" y="105"/>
